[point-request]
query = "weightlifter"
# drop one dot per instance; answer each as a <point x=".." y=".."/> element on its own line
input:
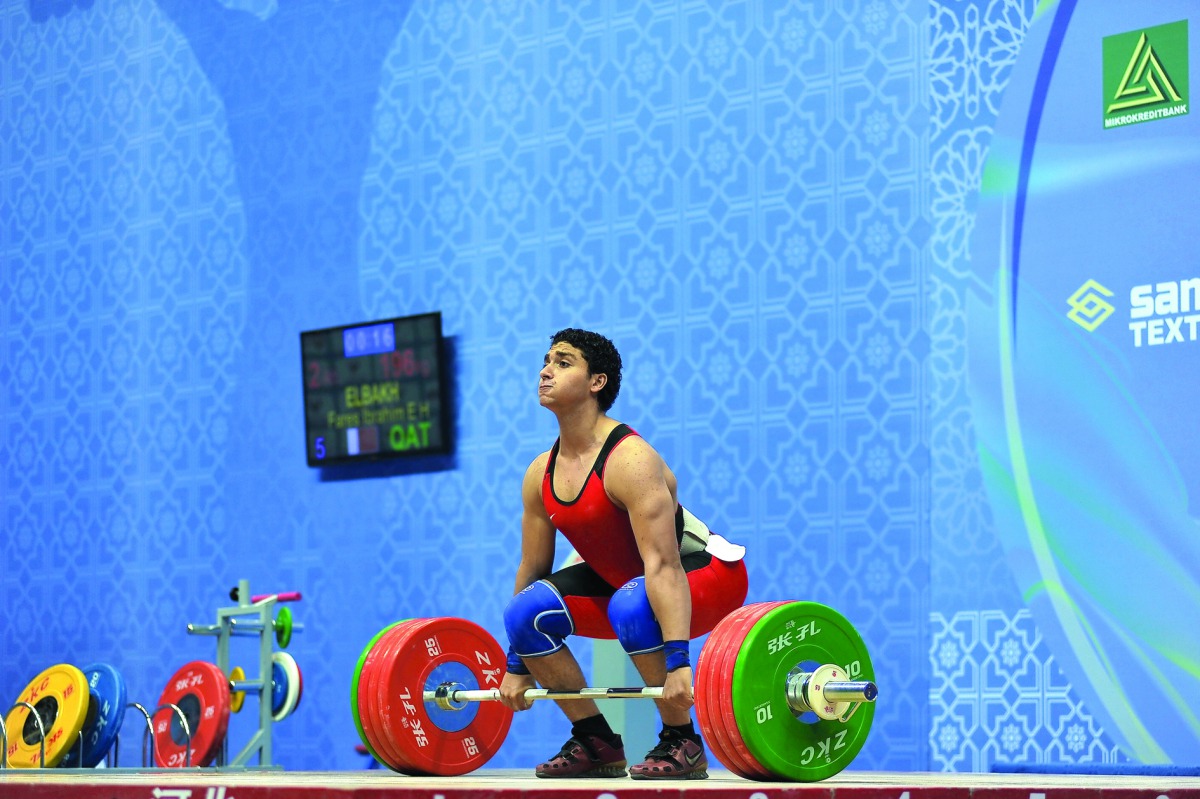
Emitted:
<point x="652" y="575"/>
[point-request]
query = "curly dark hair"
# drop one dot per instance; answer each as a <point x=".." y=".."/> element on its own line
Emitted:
<point x="602" y="359"/>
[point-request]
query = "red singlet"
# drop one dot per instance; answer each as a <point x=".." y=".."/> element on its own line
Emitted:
<point x="598" y="529"/>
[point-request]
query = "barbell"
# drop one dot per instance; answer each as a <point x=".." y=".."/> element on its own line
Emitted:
<point x="784" y="691"/>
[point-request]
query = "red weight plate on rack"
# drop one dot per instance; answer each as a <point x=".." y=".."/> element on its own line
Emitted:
<point x="431" y="740"/>
<point x="368" y="698"/>
<point x="709" y="684"/>
<point x="201" y="691"/>
<point x="737" y="637"/>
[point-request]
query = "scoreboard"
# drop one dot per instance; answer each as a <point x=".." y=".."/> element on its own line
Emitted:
<point x="375" y="390"/>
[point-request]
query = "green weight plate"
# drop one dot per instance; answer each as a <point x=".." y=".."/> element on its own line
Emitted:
<point x="803" y="749"/>
<point x="354" y="683"/>
<point x="283" y="627"/>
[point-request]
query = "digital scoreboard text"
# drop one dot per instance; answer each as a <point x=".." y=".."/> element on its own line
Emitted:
<point x="374" y="390"/>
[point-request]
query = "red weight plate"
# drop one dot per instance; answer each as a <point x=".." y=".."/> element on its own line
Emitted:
<point x="737" y="636"/>
<point x="201" y="691"/>
<point x="368" y="701"/>
<point x="461" y="645"/>
<point x="355" y="684"/>
<point x="707" y="681"/>
<point x="725" y="653"/>
<point x="394" y="647"/>
<point x="719" y="688"/>
<point x="733" y="642"/>
<point x="713" y="725"/>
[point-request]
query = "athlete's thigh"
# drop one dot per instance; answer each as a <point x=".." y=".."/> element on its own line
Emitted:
<point x="586" y="595"/>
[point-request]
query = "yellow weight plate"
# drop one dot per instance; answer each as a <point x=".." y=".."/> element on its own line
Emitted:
<point x="60" y="696"/>
<point x="237" y="698"/>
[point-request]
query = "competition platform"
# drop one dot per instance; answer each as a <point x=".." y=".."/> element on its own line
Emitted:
<point x="511" y="784"/>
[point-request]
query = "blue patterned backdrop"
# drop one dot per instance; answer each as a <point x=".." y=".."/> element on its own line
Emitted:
<point x="766" y="205"/>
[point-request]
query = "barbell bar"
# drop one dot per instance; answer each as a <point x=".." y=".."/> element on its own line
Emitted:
<point x="784" y="691"/>
<point x="806" y="692"/>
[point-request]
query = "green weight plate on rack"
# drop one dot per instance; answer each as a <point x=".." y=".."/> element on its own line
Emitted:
<point x="283" y="627"/>
<point x="798" y="636"/>
<point x="362" y="658"/>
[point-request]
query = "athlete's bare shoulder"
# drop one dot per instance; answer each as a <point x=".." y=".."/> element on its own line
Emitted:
<point x="634" y="461"/>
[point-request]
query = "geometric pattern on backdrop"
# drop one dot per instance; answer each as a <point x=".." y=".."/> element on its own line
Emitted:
<point x="733" y="193"/>
<point x="974" y="49"/>
<point x="999" y="697"/>
<point x="122" y="269"/>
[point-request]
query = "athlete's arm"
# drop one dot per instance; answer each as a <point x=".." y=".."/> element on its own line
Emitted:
<point x="537" y="531"/>
<point x="637" y="478"/>
<point x="537" y="558"/>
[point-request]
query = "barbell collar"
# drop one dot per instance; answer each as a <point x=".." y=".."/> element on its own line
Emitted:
<point x="830" y="699"/>
<point x="850" y="691"/>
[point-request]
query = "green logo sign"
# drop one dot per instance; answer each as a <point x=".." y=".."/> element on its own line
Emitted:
<point x="1146" y="74"/>
<point x="1088" y="306"/>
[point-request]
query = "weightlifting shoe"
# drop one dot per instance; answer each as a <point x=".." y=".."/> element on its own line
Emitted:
<point x="674" y="758"/>
<point x="587" y="756"/>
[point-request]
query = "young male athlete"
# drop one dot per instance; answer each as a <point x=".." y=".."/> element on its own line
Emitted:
<point x="652" y="575"/>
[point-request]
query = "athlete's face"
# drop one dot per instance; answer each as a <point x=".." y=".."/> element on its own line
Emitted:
<point x="565" y="378"/>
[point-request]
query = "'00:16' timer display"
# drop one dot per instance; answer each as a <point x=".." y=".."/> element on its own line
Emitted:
<point x="374" y="390"/>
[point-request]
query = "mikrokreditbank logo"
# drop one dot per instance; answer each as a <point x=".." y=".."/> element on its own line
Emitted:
<point x="1088" y="306"/>
<point x="1146" y="74"/>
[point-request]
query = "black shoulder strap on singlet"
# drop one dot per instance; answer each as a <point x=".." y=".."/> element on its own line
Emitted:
<point x="615" y="437"/>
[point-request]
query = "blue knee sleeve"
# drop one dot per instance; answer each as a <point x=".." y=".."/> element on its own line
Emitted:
<point x="633" y="619"/>
<point x="537" y="620"/>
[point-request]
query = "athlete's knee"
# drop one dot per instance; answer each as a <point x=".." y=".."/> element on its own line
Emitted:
<point x="537" y="620"/>
<point x="633" y="619"/>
